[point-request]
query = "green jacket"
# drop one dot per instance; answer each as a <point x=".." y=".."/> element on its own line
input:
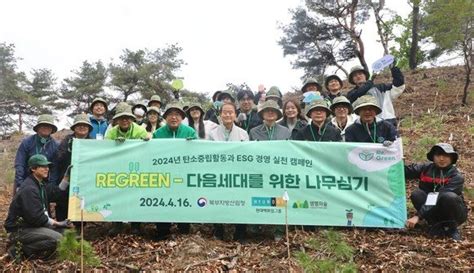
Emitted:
<point x="183" y="131"/>
<point x="134" y="132"/>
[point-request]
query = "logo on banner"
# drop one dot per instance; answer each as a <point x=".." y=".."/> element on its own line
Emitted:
<point x="202" y="202"/>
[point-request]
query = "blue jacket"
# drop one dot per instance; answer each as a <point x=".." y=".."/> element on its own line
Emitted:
<point x="98" y="126"/>
<point x="29" y="147"/>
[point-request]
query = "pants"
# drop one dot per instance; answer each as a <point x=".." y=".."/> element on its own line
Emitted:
<point x="38" y="242"/>
<point x="449" y="208"/>
<point x="164" y="228"/>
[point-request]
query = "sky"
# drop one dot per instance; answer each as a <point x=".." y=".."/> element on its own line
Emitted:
<point x="223" y="40"/>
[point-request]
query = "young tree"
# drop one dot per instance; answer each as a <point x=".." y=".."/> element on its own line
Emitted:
<point x="87" y="84"/>
<point x="450" y="24"/>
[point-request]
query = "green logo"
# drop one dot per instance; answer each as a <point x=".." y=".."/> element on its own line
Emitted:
<point x="366" y="156"/>
<point x="301" y="204"/>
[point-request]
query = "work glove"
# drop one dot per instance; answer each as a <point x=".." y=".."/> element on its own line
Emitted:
<point x="64" y="183"/>
<point x="120" y="140"/>
<point x="387" y="143"/>
<point x="65" y="223"/>
<point x="394" y="64"/>
<point x="242" y="117"/>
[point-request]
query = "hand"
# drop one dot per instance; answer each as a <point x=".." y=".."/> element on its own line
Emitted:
<point x="261" y="88"/>
<point x="394" y="63"/>
<point x="146" y="138"/>
<point x="411" y="223"/>
<point x="68" y="171"/>
<point x="387" y="143"/>
<point x="64" y="183"/>
<point x="242" y="117"/>
<point x="120" y="140"/>
<point x="189" y="138"/>
<point x="373" y="76"/>
<point x="65" y="223"/>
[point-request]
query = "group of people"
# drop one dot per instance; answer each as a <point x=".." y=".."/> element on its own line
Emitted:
<point x="364" y="114"/>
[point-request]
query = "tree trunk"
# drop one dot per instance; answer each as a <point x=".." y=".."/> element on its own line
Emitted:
<point x="467" y="50"/>
<point x="414" y="35"/>
<point x="20" y="121"/>
<point x="379" y="23"/>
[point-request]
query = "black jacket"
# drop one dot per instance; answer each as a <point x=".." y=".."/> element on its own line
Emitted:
<point x="300" y="124"/>
<point x="62" y="159"/>
<point x="212" y="115"/>
<point x="356" y="92"/>
<point x="29" y="204"/>
<point x="358" y="132"/>
<point x="312" y="133"/>
<point x="253" y="120"/>
<point x="432" y="178"/>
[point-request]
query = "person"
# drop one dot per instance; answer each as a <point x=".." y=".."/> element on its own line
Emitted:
<point x="311" y="85"/>
<point x="81" y="130"/>
<point x="155" y="101"/>
<point x="247" y="116"/>
<point x="174" y="128"/>
<point x="319" y="128"/>
<point x="343" y="117"/>
<point x="333" y="86"/>
<point x="29" y="222"/>
<point x="270" y="130"/>
<point x="139" y="110"/>
<point x="39" y="143"/>
<point x="195" y="115"/>
<point x="293" y="119"/>
<point x="212" y="113"/>
<point x="274" y="94"/>
<point x="367" y="128"/>
<point x="98" y="120"/>
<point x="439" y="199"/>
<point x="260" y="96"/>
<point x="384" y="93"/>
<point x="125" y="129"/>
<point x="222" y="97"/>
<point x="152" y="122"/>
<point x="228" y="131"/>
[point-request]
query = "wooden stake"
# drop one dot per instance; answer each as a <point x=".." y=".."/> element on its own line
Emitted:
<point x="286" y="227"/>
<point x="82" y="235"/>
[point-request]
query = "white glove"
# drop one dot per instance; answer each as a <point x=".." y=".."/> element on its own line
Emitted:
<point x="64" y="183"/>
<point x="242" y="117"/>
<point x="387" y="143"/>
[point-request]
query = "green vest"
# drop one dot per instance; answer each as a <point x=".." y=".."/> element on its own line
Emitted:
<point x="183" y="131"/>
<point x="134" y="132"/>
